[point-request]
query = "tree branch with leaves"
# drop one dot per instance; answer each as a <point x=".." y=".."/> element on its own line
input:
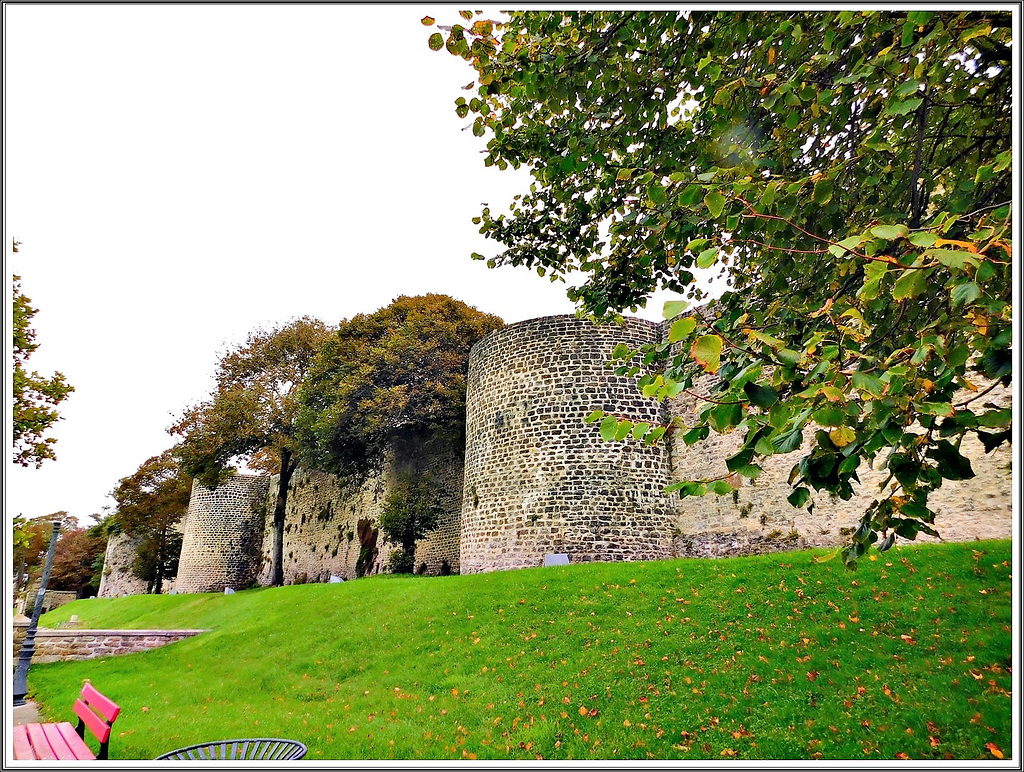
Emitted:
<point x="847" y="173"/>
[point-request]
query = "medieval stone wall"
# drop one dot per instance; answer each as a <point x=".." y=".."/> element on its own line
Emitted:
<point x="757" y="517"/>
<point x="117" y="578"/>
<point x="538" y="479"/>
<point x="331" y="522"/>
<point x="223" y="535"/>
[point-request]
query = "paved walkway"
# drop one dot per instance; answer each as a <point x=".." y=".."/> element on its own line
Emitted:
<point x="26" y="714"/>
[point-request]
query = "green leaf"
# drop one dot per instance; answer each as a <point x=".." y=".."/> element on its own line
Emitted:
<point x="910" y="284"/>
<point x="673" y="308"/>
<point x="725" y="417"/>
<point x="691" y="195"/>
<point x="917" y="511"/>
<point x="935" y="408"/>
<point x="953" y="258"/>
<point x="788" y="442"/>
<point x="874" y="273"/>
<point x="707" y="351"/>
<point x="656" y="193"/>
<point x="922" y="238"/>
<point x="593" y="416"/>
<point x="902" y="108"/>
<point x="799" y="497"/>
<point x="640" y="429"/>
<point x="830" y="416"/>
<point x="762" y="396"/>
<point x="707" y="258"/>
<point x="435" y="41"/>
<point x="624" y="174"/>
<point x="741" y="459"/>
<point x="681" y="328"/>
<point x="950" y="463"/>
<point x="822" y="191"/>
<point x="608" y="428"/>
<point x="907" y="88"/>
<point x="622" y="430"/>
<point x="620" y="351"/>
<point x="789" y="357"/>
<point x="890" y="232"/>
<point x="715" y="202"/>
<point x="869" y="383"/>
<point x="996" y="419"/>
<point x="851" y="242"/>
<point x="753" y="471"/>
<point x="721" y="487"/>
<point x="695" y="435"/>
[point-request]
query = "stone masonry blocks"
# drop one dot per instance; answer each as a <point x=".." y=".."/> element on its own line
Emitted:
<point x="223" y="535"/>
<point x="538" y="478"/>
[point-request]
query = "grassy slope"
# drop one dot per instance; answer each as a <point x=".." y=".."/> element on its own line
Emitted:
<point x="761" y="657"/>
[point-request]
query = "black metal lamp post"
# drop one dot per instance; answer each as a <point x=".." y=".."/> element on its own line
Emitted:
<point x="28" y="648"/>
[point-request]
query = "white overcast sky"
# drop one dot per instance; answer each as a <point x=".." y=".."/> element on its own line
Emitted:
<point x="179" y="175"/>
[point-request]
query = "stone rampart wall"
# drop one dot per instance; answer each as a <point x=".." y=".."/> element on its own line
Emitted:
<point x="51" y="600"/>
<point x="330" y="520"/>
<point x="65" y="645"/>
<point x="758" y="518"/>
<point x="538" y="479"/>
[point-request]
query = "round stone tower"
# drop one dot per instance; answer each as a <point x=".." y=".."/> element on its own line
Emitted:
<point x="539" y="480"/>
<point x="223" y="537"/>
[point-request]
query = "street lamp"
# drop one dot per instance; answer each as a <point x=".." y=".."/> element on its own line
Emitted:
<point x="28" y="648"/>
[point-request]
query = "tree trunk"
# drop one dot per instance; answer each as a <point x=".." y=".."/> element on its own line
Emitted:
<point x="287" y="467"/>
<point x="160" y="562"/>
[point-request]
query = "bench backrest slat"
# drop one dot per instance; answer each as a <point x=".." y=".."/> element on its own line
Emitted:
<point x="96" y="724"/>
<point x="103" y="705"/>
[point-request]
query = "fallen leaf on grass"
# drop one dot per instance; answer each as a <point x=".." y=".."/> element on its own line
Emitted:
<point x="994" y="750"/>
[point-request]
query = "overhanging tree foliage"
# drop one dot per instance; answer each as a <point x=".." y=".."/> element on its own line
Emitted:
<point x="251" y="415"/>
<point x="35" y="397"/>
<point x="398" y="372"/>
<point x="848" y="172"/>
<point x="150" y="505"/>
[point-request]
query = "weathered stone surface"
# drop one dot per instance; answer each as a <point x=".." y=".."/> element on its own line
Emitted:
<point x="58" y="645"/>
<point x="540" y="480"/>
<point x="223" y="535"/>
<point x="329" y="519"/>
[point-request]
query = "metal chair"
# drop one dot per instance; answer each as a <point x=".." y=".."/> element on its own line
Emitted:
<point x="253" y="749"/>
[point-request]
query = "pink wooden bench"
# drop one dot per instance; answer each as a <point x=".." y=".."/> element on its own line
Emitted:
<point x="63" y="742"/>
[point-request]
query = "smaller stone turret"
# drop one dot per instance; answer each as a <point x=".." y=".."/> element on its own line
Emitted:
<point x="223" y="535"/>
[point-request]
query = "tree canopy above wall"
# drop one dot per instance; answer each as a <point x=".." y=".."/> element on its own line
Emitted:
<point x="399" y="371"/>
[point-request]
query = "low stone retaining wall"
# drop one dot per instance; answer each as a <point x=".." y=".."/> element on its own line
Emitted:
<point x="68" y="644"/>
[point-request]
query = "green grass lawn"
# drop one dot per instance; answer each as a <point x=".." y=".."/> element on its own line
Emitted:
<point x="756" y="658"/>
